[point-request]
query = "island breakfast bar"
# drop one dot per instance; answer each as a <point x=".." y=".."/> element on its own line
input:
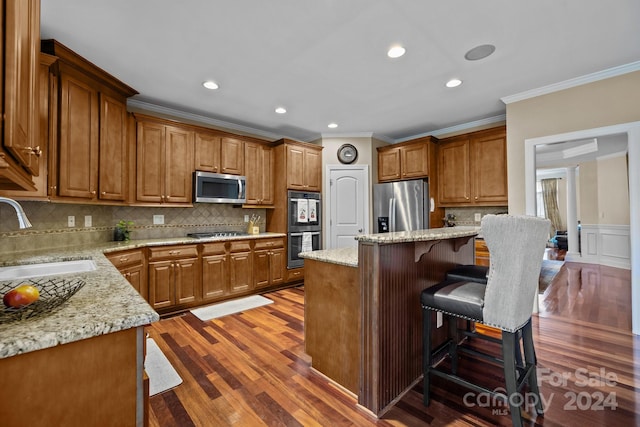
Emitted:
<point x="363" y="319"/>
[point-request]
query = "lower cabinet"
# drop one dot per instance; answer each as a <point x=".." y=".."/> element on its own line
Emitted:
<point x="215" y="271"/>
<point x="268" y="263"/>
<point x="132" y="265"/>
<point x="174" y="276"/>
<point x="240" y="267"/>
<point x="482" y="252"/>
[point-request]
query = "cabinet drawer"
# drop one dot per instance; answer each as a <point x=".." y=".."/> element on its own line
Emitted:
<point x="242" y="246"/>
<point x="295" y="274"/>
<point x="268" y="244"/>
<point x="170" y="252"/>
<point x="126" y="258"/>
<point x="217" y="248"/>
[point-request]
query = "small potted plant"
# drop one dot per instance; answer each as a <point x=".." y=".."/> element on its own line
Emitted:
<point x="121" y="233"/>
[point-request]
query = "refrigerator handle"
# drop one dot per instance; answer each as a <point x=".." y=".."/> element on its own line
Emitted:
<point x="392" y="214"/>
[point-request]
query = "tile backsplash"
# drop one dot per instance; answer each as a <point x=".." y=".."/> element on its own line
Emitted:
<point x="466" y="216"/>
<point x="50" y="221"/>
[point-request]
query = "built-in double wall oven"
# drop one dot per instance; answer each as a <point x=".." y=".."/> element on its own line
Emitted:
<point x="304" y="226"/>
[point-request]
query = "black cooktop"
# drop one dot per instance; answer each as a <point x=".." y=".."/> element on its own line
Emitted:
<point x="206" y="234"/>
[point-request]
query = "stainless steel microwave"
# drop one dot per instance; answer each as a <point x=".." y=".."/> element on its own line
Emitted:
<point x="218" y="188"/>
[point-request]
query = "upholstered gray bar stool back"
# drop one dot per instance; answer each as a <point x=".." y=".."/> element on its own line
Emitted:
<point x="516" y="245"/>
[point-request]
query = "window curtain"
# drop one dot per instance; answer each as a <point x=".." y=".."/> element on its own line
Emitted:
<point x="550" y="198"/>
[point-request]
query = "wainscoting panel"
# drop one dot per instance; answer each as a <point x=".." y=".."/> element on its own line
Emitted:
<point x="606" y="244"/>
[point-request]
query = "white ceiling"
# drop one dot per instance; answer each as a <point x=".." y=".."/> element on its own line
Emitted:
<point x="325" y="60"/>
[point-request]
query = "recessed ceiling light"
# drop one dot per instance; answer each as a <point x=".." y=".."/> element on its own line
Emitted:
<point x="396" y="52"/>
<point x="332" y="125"/>
<point x="281" y="110"/>
<point x="480" y="52"/>
<point x="454" y="83"/>
<point x="210" y="84"/>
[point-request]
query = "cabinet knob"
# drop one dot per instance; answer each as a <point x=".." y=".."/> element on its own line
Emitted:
<point x="93" y="192"/>
<point x="103" y="193"/>
<point x="124" y="259"/>
<point x="35" y="151"/>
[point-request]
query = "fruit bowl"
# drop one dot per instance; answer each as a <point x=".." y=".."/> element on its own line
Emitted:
<point x="53" y="293"/>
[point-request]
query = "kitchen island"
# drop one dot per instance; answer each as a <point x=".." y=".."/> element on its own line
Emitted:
<point x="363" y="325"/>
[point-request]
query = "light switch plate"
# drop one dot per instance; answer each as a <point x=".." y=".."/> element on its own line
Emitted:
<point x="88" y="221"/>
<point x="158" y="219"/>
<point x="477" y="217"/>
<point x="71" y="221"/>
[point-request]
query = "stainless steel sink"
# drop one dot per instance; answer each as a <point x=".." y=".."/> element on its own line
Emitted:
<point x="22" y="271"/>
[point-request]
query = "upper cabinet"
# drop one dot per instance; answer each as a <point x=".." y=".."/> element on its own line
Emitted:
<point x="472" y="169"/>
<point x="89" y="149"/>
<point x="407" y="160"/>
<point x="218" y="154"/>
<point x="164" y="162"/>
<point x="304" y="166"/>
<point x="20" y="47"/>
<point x="259" y="162"/>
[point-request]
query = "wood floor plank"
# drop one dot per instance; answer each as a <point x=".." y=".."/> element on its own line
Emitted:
<point x="250" y="369"/>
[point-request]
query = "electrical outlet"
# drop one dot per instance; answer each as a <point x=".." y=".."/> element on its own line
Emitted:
<point x="88" y="221"/>
<point x="439" y="319"/>
<point x="158" y="219"/>
<point x="246" y="218"/>
<point x="71" y="221"/>
<point x="477" y="217"/>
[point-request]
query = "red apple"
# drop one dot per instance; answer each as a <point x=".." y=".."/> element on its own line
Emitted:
<point x="21" y="296"/>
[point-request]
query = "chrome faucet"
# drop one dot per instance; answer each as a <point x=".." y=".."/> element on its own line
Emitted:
<point x="22" y="217"/>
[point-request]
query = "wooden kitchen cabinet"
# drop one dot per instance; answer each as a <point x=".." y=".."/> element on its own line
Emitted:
<point x="482" y="252"/>
<point x="269" y="262"/>
<point x="215" y="274"/>
<point x="472" y="169"/>
<point x="174" y="277"/>
<point x="303" y="166"/>
<point x="259" y="162"/>
<point x="217" y="153"/>
<point x="165" y="163"/>
<point x="240" y="267"/>
<point x="408" y="160"/>
<point x="132" y="265"/>
<point x="19" y="47"/>
<point x="91" y="145"/>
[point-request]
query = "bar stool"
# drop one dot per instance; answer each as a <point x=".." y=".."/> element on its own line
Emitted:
<point x="469" y="272"/>
<point x="517" y="247"/>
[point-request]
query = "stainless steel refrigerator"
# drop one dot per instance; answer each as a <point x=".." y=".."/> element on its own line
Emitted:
<point x="401" y="206"/>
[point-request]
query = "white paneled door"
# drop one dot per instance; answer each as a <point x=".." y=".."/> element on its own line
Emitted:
<point x="348" y="205"/>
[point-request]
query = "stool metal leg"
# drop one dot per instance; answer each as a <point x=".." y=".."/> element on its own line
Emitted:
<point x="508" y="354"/>
<point x="426" y="353"/>
<point x="530" y="358"/>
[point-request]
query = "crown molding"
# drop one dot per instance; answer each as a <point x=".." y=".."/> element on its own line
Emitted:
<point x="458" y="128"/>
<point x="136" y="105"/>
<point x="578" y="81"/>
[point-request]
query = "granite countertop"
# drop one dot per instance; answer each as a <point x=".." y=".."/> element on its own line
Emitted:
<point x="341" y="256"/>
<point x="420" y="235"/>
<point x="107" y="303"/>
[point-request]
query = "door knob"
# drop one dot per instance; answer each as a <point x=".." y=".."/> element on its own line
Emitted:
<point x="360" y="230"/>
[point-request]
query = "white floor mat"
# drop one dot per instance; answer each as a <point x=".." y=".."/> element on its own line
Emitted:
<point x="230" y="307"/>
<point x="162" y="376"/>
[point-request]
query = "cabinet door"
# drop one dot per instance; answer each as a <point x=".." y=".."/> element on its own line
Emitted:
<point x="179" y="165"/>
<point x="161" y="286"/>
<point x="207" y="152"/>
<point x="113" y="170"/>
<point x="258" y="161"/>
<point x="454" y="185"/>
<point x="78" y="144"/>
<point x="232" y="156"/>
<point x="389" y="165"/>
<point x="21" y="56"/>
<point x="489" y="166"/>
<point x="415" y="161"/>
<point x="277" y="264"/>
<point x="240" y="268"/>
<point x="214" y="276"/>
<point x="150" y="171"/>
<point x="312" y="170"/>
<point x="137" y="277"/>
<point x="187" y="280"/>
<point x="261" y="268"/>
<point x="295" y="168"/>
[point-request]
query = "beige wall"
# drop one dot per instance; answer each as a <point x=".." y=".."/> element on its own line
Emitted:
<point x="603" y="103"/>
<point x="613" y="191"/>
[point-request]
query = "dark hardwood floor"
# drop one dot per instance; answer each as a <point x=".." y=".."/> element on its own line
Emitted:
<point x="250" y="369"/>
